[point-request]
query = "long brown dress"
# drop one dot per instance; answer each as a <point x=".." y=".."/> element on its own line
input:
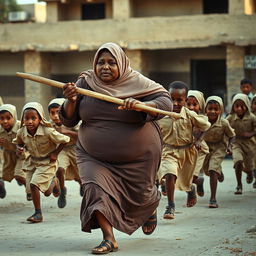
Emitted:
<point x="118" y="155"/>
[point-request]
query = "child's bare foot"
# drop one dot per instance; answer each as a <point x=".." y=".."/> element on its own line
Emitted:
<point x="62" y="198"/>
<point x="56" y="188"/>
<point x="249" y="178"/>
<point x="29" y="197"/>
<point x="2" y="189"/>
<point x="221" y="177"/>
<point x="200" y="186"/>
<point x="192" y="198"/>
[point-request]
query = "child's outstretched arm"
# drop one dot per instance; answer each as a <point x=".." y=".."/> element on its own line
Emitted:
<point x="71" y="134"/>
<point x="54" y="154"/>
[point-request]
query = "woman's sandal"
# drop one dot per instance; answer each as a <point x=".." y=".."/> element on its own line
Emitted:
<point x="152" y="221"/>
<point x="192" y="198"/>
<point x="105" y="247"/>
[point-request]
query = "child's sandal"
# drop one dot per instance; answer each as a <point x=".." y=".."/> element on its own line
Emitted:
<point x="35" y="218"/>
<point x="239" y="191"/>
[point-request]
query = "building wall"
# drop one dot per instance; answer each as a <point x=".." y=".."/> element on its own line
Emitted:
<point x="73" y="10"/>
<point x="149" y="8"/>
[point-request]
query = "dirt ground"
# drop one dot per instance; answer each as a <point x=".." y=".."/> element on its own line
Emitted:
<point x="228" y="230"/>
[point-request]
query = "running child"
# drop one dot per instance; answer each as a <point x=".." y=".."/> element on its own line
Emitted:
<point x="196" y="102"/>
<point x="246" y="87"/>
<point x="179" y="153"/>
<point x="253" y="108"/>
<point x="244" y="123"/>
<point x="12" y="164"/>
<point x="218" y="138"/>
<point x="44" y="144"/>
<point x="67" y="167"/>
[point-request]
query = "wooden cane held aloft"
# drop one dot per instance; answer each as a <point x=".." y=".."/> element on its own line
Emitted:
<point x="93" y="94"/>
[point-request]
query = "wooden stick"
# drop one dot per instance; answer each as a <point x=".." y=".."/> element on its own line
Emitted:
<point x="93" y="94"/>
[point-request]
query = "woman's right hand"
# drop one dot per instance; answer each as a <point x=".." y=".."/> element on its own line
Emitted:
<point x="70" y="91"/>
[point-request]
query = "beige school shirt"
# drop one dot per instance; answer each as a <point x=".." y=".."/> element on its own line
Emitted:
<point x="217" y="138"/>
<point x="180" y="162"/>
<point x="45" y="140"/>
<point x="12" y="164"/>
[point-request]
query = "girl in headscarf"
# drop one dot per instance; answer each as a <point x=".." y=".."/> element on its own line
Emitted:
<point x="196" y="102"/>
<point x="244" y="123"/>
<point x="118" y="148"/>
<point x="218" y="139"/>
<point x="44" y="144"/>
<point x="12" y="164"/>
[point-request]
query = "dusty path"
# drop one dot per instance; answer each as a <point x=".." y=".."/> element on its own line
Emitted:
<point x="229" y="230"/>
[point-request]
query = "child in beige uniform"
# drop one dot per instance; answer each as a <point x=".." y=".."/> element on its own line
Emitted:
<point x="44" y="144"/>
<point x="196" y="102"/>
<point x="218" y="139"/>
<point x="12" y="164"/>
<point x="253" y="108"/>
<point x="67" y="167"/>
<point x="244" y="123"/>
<point x="179" y="153"/>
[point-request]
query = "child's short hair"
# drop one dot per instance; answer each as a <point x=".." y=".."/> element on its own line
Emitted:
<point x="213" y="102"/>
<point x="178" y="85"/>
<point x="245" y="81"/>
<point x="53" y="105"/>
<point x="4" y="111"/>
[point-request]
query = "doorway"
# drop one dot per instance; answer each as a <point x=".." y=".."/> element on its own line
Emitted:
<point x="209" y="77"/>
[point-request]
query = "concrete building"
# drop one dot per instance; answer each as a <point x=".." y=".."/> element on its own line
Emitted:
<point x="201" y="42"/>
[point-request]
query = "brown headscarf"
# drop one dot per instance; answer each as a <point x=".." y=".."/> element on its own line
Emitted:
<point x="130" y="82"/>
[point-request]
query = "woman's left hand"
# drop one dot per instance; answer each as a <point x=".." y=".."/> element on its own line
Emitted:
<point x="130" y="104"/>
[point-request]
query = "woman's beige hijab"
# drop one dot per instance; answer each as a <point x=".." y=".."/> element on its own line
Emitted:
<point x="130" y="82"/>
<point x="11" y="109"/>
<point x="199" y="97"/>
<point x="39" y="108"/>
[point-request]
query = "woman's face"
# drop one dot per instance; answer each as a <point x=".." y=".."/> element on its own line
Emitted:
<point x="106" y="67"/>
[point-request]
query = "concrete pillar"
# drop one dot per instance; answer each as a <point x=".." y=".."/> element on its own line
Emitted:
<point x="235" y="70"/>
<point x="137" y="60"/>
<point x="121" y="9"/>
<point x="236" y="6"/>
<point x="52" y="11"/>
<point x="250" y="7"/>
<point x="39" y="64"/>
